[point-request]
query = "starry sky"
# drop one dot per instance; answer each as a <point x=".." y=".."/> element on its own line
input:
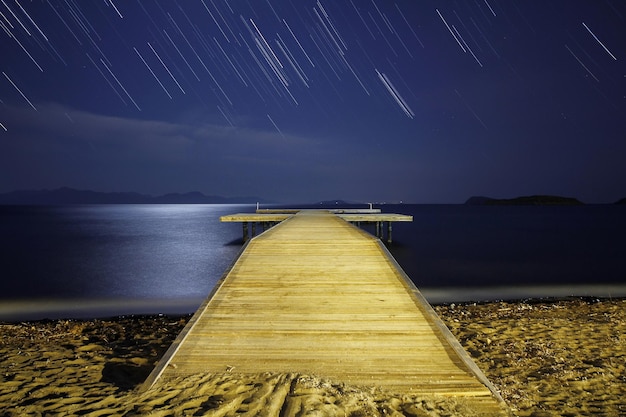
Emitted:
<point x="304" y="100"/>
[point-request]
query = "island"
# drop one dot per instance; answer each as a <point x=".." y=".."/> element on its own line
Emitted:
<point x="533" y="200"/>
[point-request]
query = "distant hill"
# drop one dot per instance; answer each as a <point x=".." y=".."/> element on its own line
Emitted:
<point x="622" y="201"/>
<point x="533" y="200"/>
<point x="66" y="195"/>
<point x="479" y="201"/>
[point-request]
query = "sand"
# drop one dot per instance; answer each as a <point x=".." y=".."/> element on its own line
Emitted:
<point x="564" y="358"/>
<point x="552" y="358"/>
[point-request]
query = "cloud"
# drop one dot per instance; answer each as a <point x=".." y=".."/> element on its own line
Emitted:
<point x="58" y="146"/>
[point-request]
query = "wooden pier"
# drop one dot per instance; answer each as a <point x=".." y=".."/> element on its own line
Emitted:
<point x="265" y="218"/>
<point x="317" y="295"/>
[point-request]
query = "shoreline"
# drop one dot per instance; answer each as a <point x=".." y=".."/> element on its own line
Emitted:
<point x="547" y="357"/>
<point x="103" y="308"/>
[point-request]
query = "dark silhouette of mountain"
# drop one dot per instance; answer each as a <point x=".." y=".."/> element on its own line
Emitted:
<point x="479" y="201"/>
<point x="533" y="200"/>
<point x="621" y="201"/>
<point x="62" y="196"/>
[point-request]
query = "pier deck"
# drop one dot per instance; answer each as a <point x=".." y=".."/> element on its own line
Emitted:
<point x="266" y="217"/>
<point x="316" y="295"/>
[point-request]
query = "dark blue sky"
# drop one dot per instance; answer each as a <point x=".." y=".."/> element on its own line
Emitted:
<point x="372" y="100"/>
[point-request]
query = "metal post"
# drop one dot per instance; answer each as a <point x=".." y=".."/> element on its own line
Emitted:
<point x="245" y="232"/>
<point x="389" y="232"/>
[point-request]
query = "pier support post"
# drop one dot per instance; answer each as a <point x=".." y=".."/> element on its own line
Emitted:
<point x="253" y="229"/>
<point x="245" y="231"/>
<point x="389" y="232"/>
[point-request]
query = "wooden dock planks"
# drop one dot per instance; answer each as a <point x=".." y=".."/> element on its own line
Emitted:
<point x="316" y="295"/>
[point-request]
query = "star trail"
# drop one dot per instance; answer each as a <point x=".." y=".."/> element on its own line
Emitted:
<point x="420" y="101"/>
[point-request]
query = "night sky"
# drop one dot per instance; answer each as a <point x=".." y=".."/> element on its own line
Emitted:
<point x="297" y="101"/>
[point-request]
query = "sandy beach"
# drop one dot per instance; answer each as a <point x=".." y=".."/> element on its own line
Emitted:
<point x="547" y="358"/>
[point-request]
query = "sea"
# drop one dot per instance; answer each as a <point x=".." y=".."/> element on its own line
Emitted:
<point x="90" y="261"/>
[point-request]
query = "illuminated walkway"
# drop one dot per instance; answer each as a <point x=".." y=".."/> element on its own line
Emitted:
<point x="316" y="295"/>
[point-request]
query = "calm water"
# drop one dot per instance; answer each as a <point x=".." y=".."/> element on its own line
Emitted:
<point x="125" y="259"/>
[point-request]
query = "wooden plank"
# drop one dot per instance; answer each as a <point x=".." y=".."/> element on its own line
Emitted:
<point x="318" y="295"/>
<point x="334" y="211"/>
<point x="270" y="216"/>
<point x="277" y="211"/>
<point x="255" y="217"/>
<point x="375" y="217"/>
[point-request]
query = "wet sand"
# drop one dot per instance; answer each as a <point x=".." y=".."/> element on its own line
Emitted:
<point x="551" y="358"/>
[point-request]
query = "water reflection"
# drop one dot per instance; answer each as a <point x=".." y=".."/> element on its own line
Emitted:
<point x="117" y="251"/>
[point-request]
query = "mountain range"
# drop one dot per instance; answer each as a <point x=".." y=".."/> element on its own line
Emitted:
<point x="65" y="195"/>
